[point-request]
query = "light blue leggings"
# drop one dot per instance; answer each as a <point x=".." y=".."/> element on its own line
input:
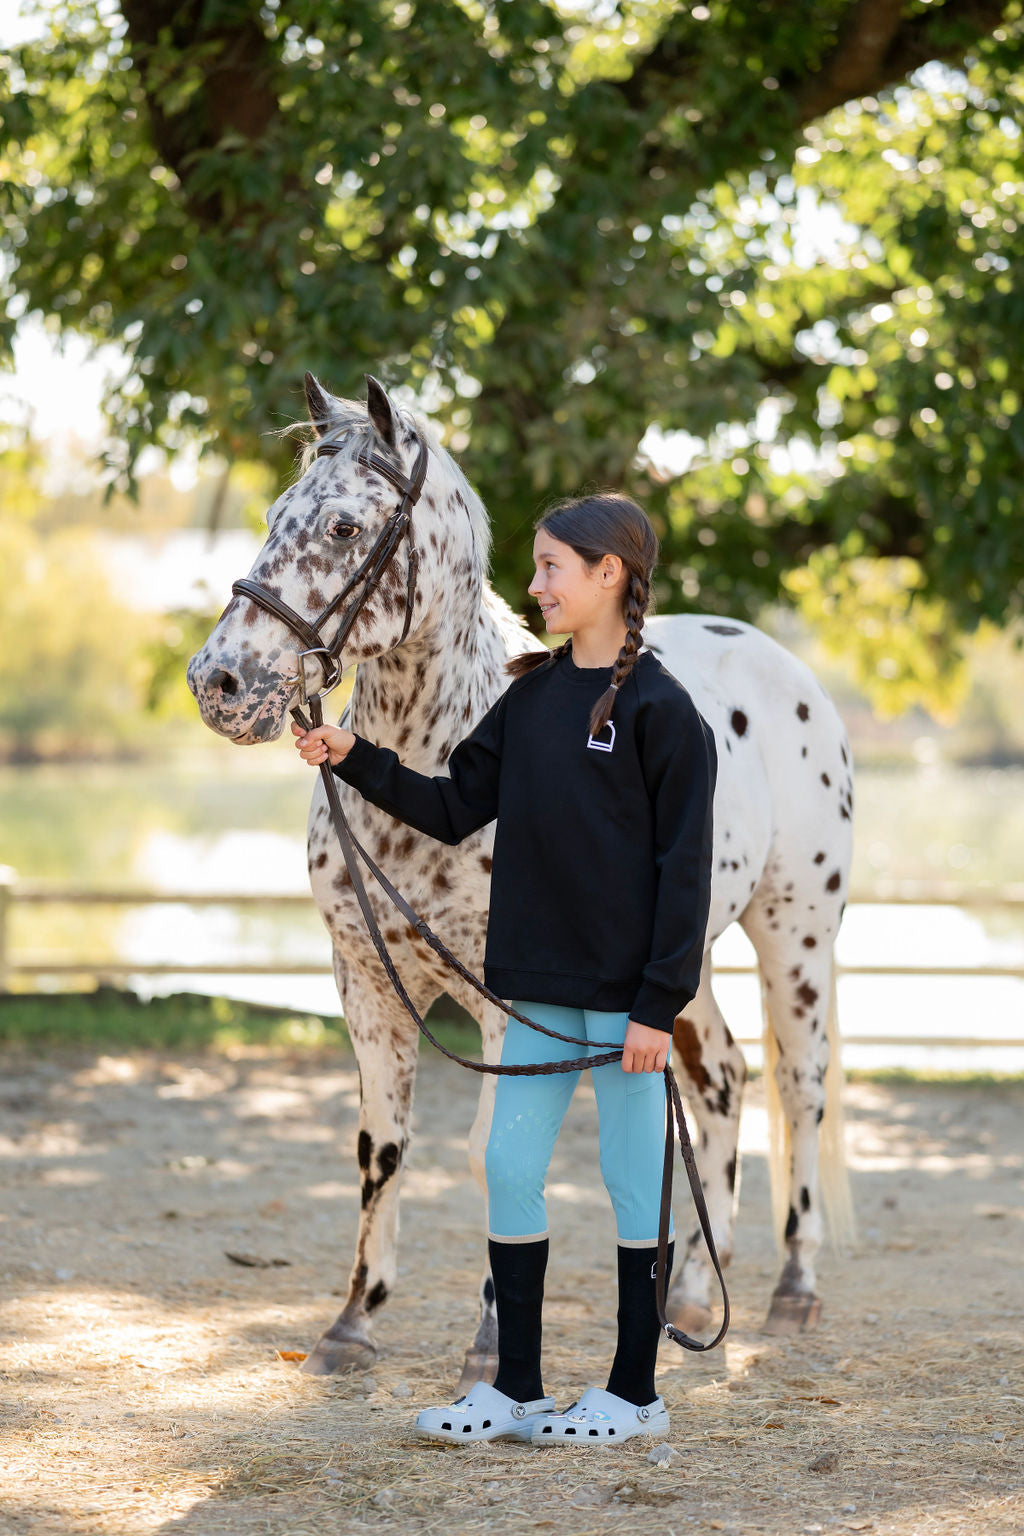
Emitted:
<point x="528" y="1114"/>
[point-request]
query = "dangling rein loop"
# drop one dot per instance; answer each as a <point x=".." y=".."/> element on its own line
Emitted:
<point x="610" y="1053"/>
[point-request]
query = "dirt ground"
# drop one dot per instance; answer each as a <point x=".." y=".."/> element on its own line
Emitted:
<point x="143" y="1392"/>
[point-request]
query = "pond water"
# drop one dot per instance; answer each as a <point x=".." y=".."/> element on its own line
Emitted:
<point x="218" y="819"/>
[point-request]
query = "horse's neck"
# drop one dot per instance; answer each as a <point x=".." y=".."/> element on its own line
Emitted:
<point x="422" y="698"/>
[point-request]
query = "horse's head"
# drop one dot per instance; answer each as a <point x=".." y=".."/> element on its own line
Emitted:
<point x="337" y="549"/>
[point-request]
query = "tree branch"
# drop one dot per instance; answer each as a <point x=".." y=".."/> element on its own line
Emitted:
<point x="237" y="95"/>
<point x="879" y="46"/>
<point x="893" y="528"/>
<point x="876" y="46"/>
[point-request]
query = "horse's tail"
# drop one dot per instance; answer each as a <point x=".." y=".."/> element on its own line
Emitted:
<point x="832" y="1171"/>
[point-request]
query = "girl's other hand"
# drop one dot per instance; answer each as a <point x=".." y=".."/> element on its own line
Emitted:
<point x="324" y="743"/>
<point x="646" y="1049"/>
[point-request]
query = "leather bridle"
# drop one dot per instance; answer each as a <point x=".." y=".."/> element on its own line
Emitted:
<point x="371" y="572"/>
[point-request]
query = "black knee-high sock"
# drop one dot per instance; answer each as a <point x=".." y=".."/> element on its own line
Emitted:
<point x="632" y="1373"/>
<point x="517" y="1270"/>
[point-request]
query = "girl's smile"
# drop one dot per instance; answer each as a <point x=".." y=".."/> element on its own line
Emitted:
<point x="579" y="600"/>
<point x="559" y="571"/>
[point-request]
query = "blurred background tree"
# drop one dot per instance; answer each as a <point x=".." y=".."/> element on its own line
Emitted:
<point x="752" y="262"/>
<point x="74" y="675"/>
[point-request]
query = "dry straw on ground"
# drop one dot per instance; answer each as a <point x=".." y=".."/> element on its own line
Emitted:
<point x="143" y="1391"/>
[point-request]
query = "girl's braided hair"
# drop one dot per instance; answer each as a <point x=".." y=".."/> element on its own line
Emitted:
<point x="605" y="523"/>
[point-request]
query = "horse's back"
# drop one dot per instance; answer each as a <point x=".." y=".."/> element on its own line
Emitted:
<point x="727" y="663"/>
<point x="784" y="777"/>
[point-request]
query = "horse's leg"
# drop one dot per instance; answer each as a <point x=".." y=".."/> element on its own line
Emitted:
<point x="796" y="968"/>
<point x="713" y="1075"/>
<point x="481" y="1362"/>
<point x="385" y="1046"/>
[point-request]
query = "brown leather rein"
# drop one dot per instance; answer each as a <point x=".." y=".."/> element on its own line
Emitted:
<point x="371" y="572"/>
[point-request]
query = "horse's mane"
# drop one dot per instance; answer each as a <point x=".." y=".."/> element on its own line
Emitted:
<point x="349" y="423"/>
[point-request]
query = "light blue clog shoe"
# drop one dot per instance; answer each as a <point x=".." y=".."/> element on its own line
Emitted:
<point x="599" y="1417"/>
<point x="483" y="1413"/>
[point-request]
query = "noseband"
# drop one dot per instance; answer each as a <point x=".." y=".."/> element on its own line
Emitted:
<point x="370" y="574"/>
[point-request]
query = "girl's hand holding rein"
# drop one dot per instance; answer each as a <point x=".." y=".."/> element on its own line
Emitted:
<point x="324" y="743"/>
<point x="646" y="1049"/>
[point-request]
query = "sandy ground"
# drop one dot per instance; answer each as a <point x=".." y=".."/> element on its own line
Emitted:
<point x="142" y="1390"/>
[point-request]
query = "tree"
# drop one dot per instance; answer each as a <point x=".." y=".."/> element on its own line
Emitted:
<point x="559" y="230"/>
<point x="76" y="668"/>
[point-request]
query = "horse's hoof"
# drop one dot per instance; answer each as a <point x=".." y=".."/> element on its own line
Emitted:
<point x="792" y="1314"/>
<point x="330" y="1356"/>
<point x="477" y="1368"/>
<point x="689" y="1316"/>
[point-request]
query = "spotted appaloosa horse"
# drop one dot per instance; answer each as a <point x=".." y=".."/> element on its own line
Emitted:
<point x="782" y="836"/>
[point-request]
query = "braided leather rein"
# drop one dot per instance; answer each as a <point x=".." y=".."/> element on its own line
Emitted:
<point x="375" y="564"/>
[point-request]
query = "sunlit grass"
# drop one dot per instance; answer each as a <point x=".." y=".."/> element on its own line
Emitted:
<point x="109" y="1018"/>
<point x="926" y="1078"/>
<point x="184" y="1021"/>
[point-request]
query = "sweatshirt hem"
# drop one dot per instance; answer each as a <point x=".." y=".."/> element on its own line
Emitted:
<point x="569" y="991"/>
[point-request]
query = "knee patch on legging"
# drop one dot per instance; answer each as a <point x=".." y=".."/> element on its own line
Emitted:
<point x="528" y="1112"/>
<point x="515" y="1164"/>
<point x="632" y="1109"/>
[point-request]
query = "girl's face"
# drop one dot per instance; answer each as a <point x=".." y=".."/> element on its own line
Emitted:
<point x="571" y="594"/>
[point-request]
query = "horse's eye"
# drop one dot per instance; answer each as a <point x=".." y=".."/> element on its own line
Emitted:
<point x="342" y="530"/>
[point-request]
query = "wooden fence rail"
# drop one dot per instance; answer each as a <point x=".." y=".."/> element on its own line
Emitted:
<point x="37" y="893"/>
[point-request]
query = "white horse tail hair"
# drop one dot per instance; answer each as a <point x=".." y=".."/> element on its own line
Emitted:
<point x="837" y="1196"/>
<point x="833" y="1175"/>
<point x="778" y="1126"/>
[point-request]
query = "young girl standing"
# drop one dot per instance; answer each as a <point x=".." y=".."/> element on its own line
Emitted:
<point x="600" y="774"/>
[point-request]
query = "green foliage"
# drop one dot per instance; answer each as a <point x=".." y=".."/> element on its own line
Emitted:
<point x="32" y="490"/>
<point x="82" y="668"/>
<point x="74" y="671"/>
<point x="901" y="646"/>
<point x="558" y="227"/>
<point x="182" y="632"/>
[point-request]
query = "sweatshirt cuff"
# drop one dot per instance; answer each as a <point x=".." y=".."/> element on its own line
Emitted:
<point x="357" y="762"/>
<point x="657" y="1008"/>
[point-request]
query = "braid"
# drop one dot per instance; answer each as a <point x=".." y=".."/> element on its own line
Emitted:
<point x="518" y="666"/>
<point x="638" y="595"/>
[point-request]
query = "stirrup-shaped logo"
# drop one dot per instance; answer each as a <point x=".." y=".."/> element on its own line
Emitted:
<point x="603" y="746"/>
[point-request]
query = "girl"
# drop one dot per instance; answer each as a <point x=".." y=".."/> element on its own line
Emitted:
<point x="600" y="774"/>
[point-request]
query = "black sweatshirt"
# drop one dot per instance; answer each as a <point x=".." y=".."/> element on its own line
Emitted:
<point x="601" y="879"/>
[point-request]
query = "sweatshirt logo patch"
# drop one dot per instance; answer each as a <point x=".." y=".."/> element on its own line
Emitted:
<point x="603" y="746"/>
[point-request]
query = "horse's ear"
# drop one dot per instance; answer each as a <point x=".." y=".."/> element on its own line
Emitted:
<point x="379" y="407"/>
<point x="318" y="405"/>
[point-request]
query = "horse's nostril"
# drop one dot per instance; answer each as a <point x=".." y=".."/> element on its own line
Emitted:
<point x="224" y="681"/>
